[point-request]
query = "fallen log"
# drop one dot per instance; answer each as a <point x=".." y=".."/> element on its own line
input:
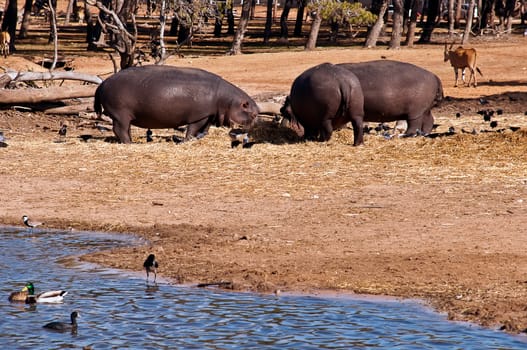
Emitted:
<point x="71" y="109"/>
<point x="50" y="94"/>
<point x="55" y="75"/>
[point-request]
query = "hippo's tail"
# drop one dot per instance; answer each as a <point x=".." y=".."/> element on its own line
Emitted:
<point x="439" y="93"/>
<point x="97" y="106"/>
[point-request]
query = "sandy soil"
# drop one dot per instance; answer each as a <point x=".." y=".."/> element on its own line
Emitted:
<point x="439" y="219"/>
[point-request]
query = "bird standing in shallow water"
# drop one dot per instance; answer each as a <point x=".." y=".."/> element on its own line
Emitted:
<point x="151" y="265"/>
<point x="63" y="326"/>
<point x="29" y="223"/>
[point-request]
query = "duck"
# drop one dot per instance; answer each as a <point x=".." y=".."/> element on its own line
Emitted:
<point x="63" y="326"/>
<point x="27" y="295"/>
<point x="151" y="265"/>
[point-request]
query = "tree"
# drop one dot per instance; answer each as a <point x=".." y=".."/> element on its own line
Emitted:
<point x="283" y="20"/>
<point x="397" y="25"/>
<point x="299" y="18"/>
<point x="375" y="31"/>
<point x="9" y="22"/>
<point x="432" y="13"/>
<point x="268" y="21"/>
<point x="411" y="22"/>
<point x="337" y="14"/>
<point x="236" y="47"/>
<point x="22" y="33"/>
<point x="113" y="17"/>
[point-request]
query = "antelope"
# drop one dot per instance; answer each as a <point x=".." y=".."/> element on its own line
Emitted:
<point x="5" y="39"/>
<point x="462" y="58"/>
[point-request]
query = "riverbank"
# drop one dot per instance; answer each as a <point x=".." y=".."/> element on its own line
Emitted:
<point x="439" y="219"/>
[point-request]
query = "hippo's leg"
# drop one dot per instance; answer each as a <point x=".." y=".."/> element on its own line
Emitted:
<point x="358" y="131"/>
<point x="427" y="123"/>
<point x="326" y="130"/>
<point x="121" y="129"/>
<point x="414" y="125"/>
<point x="194" y="129"/>
<point x="310" y="134"/>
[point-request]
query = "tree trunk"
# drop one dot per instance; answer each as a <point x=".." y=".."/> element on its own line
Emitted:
<point x="236" y="48"/>
<point x="56" y="75"/>
<point x="9" y="22"/>
<point x="268" y="22"/>
<point x="162" y="24"/>
<point x="69" y="11"/>
<point x="412" y="23"/>
<point x="26" y="19"/>
<point x="299" y="18"/>
<point x="18" y="96"/>
<point x="468" y="26"/>
<point x="283" y="20"/>
<point x="431" y="20"/>
<point x="373" y="35"/>
<point x="230" y="17"/>
<point x="54" y="33"/>
<point x="450" y="18"/>
<point x="313" y="33"/>
<point x="397" y="26"/>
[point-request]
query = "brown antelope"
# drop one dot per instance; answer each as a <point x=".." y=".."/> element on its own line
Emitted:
<point x="5" y="39"/>
<point x="462" y="58"/>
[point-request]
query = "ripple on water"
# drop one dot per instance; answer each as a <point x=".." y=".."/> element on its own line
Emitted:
<point x="119" y="311"/>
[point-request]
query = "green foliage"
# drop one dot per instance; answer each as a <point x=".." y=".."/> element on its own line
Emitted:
<point x="193" y="12"/>
<point x="342" y="12"/>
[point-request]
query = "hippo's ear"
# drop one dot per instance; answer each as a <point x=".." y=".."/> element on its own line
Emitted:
<point x="248" y="106"/>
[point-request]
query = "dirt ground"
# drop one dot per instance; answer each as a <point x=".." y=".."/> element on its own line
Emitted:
<point x="442" y="219"/>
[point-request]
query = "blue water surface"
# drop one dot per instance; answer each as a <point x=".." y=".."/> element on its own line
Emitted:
<point x="118" y="310"/>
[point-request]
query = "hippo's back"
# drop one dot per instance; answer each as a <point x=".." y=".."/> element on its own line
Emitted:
<point x="393" y="88"/>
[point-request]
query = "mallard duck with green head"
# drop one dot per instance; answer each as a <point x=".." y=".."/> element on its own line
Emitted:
<point x="27" y="295"/>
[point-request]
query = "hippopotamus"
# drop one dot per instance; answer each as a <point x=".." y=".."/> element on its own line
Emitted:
<point x="398" y="91"/>
<point x="157" y="97"/>
<point x="325" y="98"/>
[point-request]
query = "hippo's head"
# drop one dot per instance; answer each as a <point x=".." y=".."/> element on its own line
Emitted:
<point x="243" y="112"/>
<point x="286" y="110"/>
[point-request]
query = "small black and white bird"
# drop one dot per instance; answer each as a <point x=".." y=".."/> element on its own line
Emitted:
<point x="29" y="223"/>
<point x="2" y="140"/>
<point x="101" y="127"/>
<point x="151" y="265"/>
<point x="63" y="130"/>
<point x="63" y="326"/>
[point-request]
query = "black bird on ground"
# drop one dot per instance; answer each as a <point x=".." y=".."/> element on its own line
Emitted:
<point x="151" y="265"/>
<point x="63" y="130"/>
<point x="63" y="326"/>
<point x="149" y="136"/>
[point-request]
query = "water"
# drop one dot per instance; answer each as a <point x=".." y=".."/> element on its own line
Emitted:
<point x="118" y="310"/>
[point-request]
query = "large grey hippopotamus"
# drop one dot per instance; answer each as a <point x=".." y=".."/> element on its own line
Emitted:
<point x="169" y="97"/>
<point x="325" y="98"/>
<point x="398" y="91"/>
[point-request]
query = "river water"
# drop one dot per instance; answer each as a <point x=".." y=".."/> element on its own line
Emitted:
<point x="118" y="310"/>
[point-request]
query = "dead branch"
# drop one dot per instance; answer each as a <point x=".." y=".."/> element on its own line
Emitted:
<point x="55" y="75"/>
<point x="72" y="109"/>
<point x="31" y="95"/>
